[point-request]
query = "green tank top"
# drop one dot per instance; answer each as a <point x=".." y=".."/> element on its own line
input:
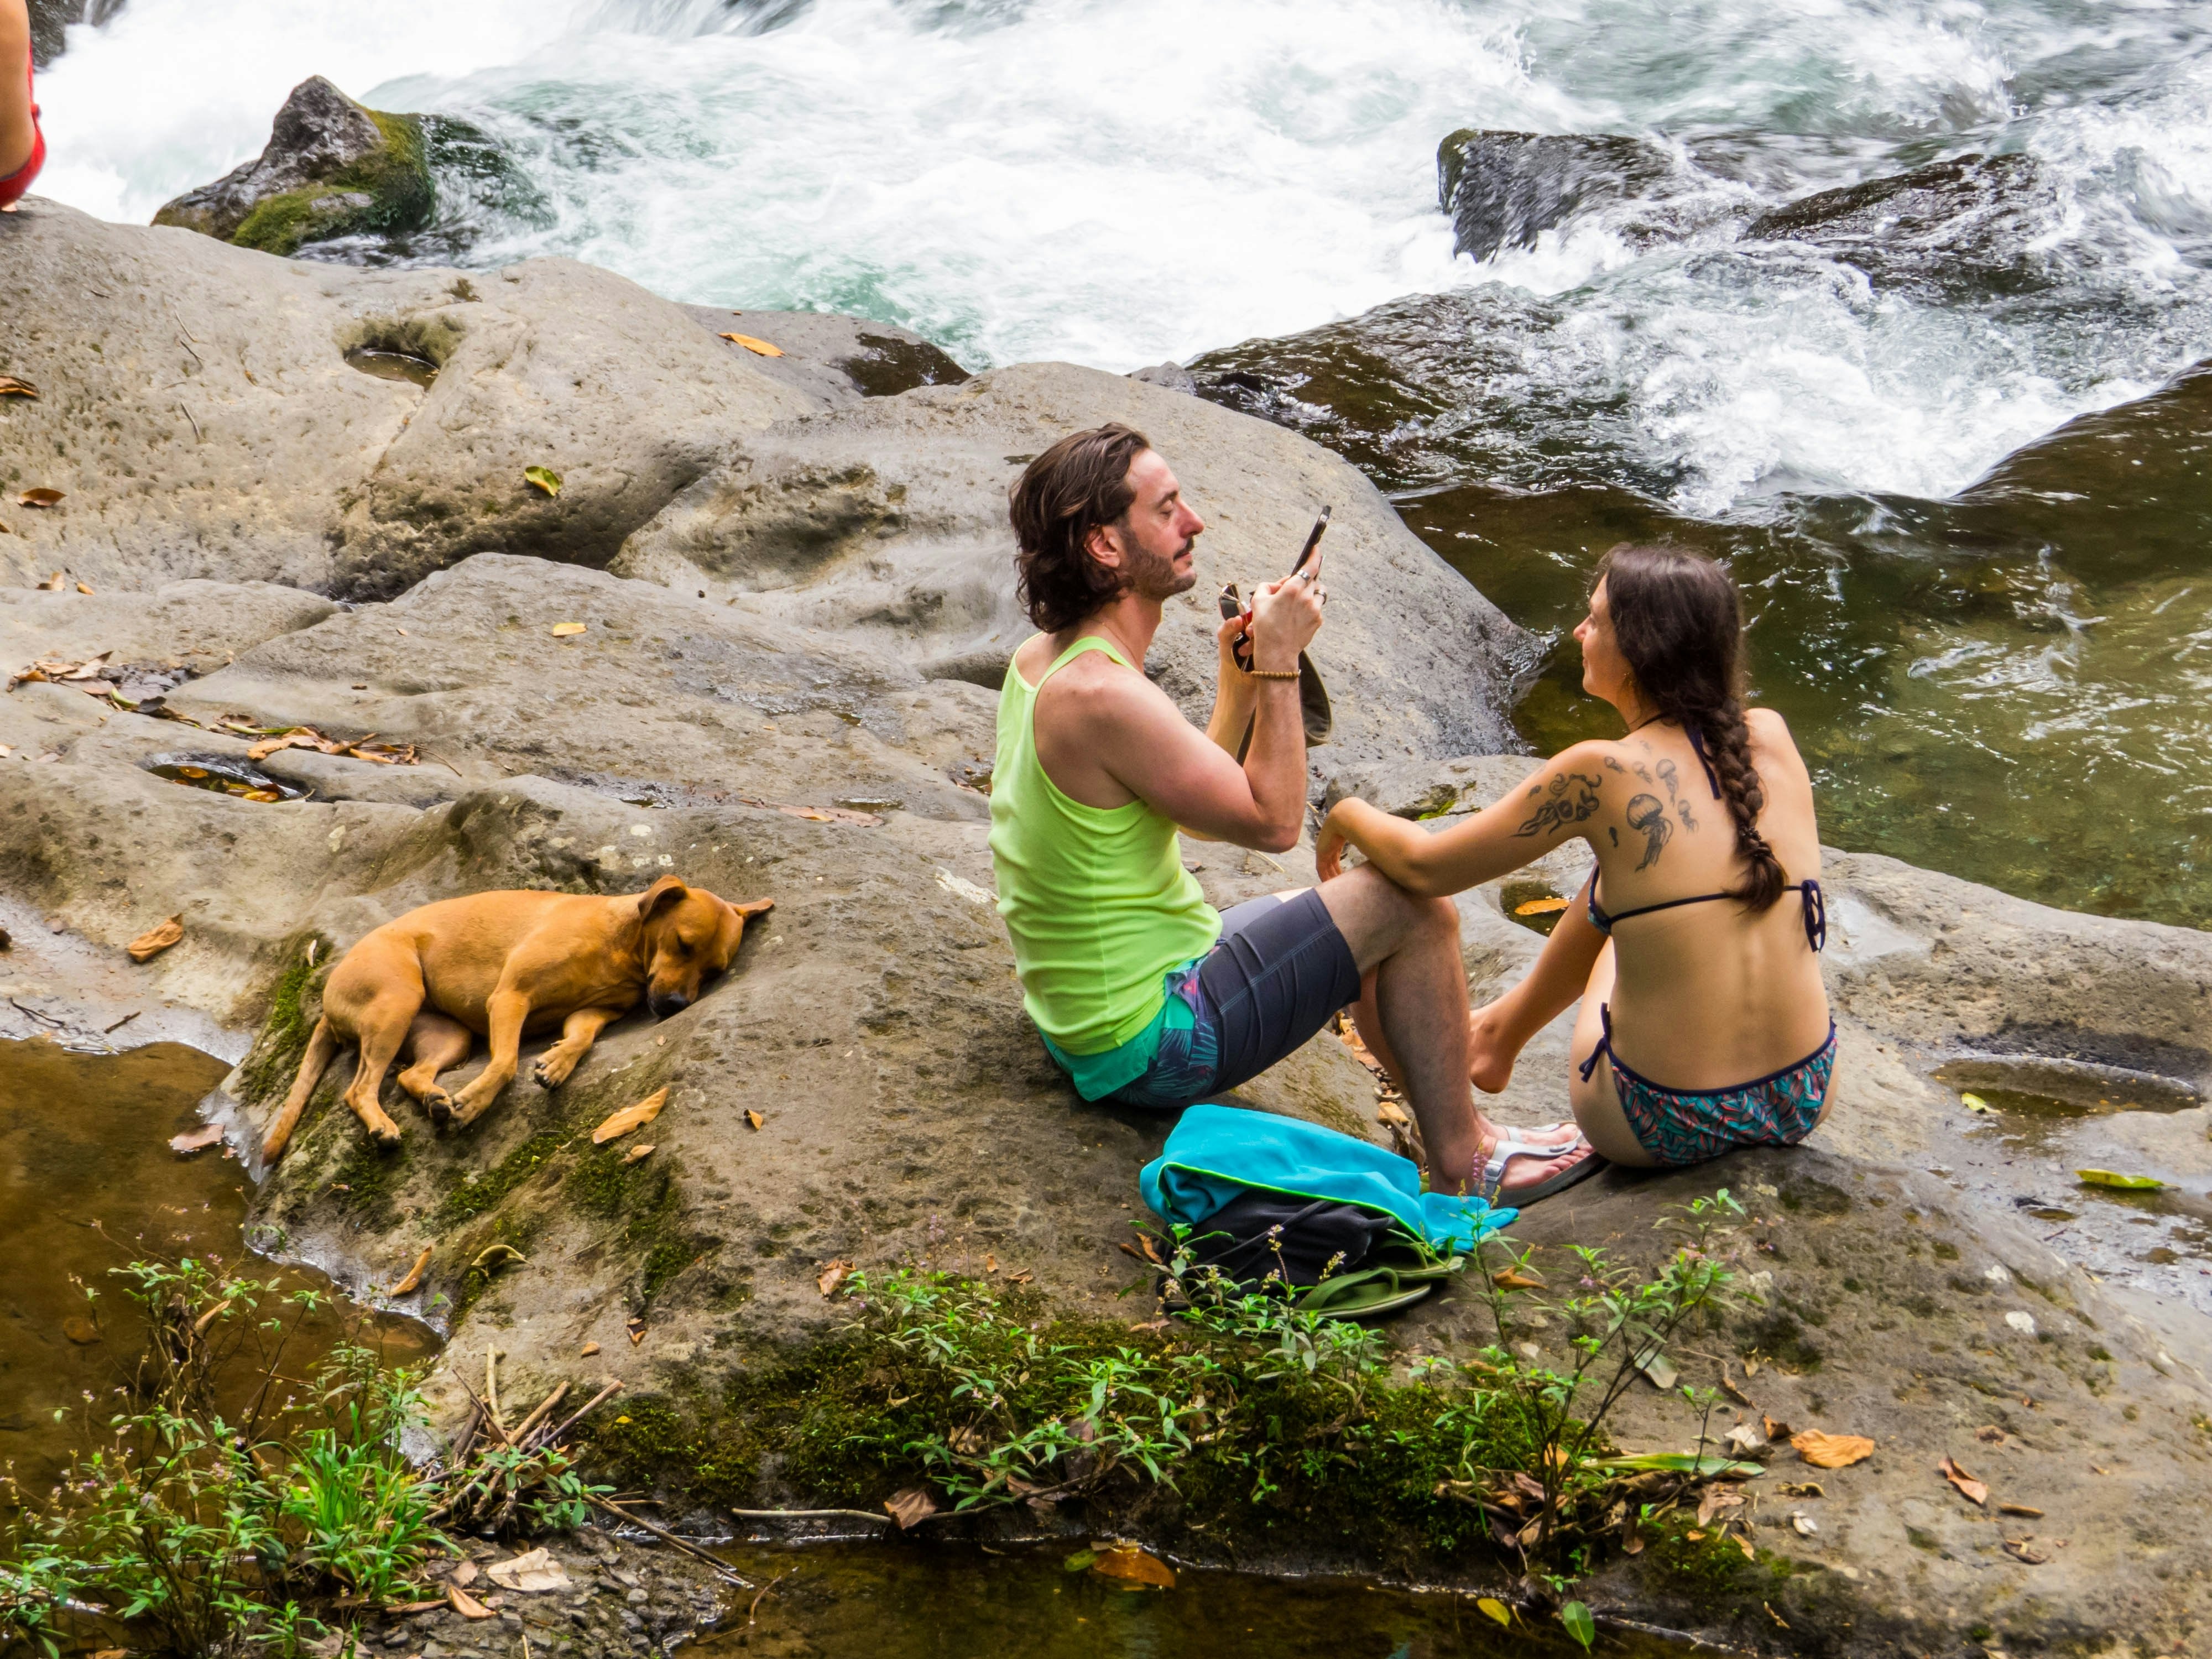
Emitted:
<point x="1096" y="899"/>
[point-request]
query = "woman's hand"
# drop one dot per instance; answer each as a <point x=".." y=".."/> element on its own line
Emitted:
<point x="1329" y="844"/>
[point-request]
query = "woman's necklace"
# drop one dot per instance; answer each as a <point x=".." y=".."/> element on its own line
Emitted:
<point x="1641" y="723"/>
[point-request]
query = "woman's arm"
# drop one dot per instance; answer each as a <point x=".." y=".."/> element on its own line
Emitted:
<point x="1560" y="802"/>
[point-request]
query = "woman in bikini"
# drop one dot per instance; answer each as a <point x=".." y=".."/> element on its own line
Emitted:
<point x="1693" y="946"/>
<point x="22" y="147"/>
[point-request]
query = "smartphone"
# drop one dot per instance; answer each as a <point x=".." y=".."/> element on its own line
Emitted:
<point x="1233" y="605"/>
<point x="1312" y="539"/>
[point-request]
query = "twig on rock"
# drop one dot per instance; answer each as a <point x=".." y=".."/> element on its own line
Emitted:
<point x="721" y="1567"/>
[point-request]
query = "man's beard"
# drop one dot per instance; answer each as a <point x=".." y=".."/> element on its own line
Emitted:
<point x="1153" y="576"/>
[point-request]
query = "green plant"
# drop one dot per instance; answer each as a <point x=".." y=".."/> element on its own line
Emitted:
<point x="222" y="1510"/>
<point x="1620" y="1320"/>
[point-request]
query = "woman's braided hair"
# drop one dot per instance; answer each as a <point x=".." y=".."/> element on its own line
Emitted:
<point x="1680" y="623"/>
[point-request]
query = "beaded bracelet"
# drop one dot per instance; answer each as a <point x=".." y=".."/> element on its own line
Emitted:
<point x="1273" y="673"/>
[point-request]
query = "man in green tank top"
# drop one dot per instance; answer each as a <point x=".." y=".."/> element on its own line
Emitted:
<point x="1144" y="995"/>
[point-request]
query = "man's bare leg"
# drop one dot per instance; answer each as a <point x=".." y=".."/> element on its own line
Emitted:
<point x="17" y="135"/>
<point x="1421" y="1018"/>
<point x="1502" y="1027"/>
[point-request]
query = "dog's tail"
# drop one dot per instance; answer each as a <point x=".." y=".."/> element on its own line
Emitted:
<point x="320" y="1047"/>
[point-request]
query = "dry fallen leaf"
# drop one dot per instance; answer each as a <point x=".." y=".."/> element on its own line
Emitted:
<point x="758" y="348"/>
<point x="465" y="1573"/>
<point x="636" y="1152"/>
<point x="414" y="1275"/>
<point x="1743" y="1440"/>
<point x="1802" y="1489"/>
<point x="630" y="1117"/>
<point x="497" y="1255"/>
<point x="533" y="1574"/>
<point x="1832" y="1451"/>
<point x="81" y="588"/>
<point x="1134" y="1566"/>
<point x="196" y="1140"/>
<point x="2027" y="1510"/>
<point x="466" y="1604"/>
<point x="1512" y="1278"/>
<point x="12" y="387"/>
<point x="543" y="478"/>
<point x="831" y="1276"/>
<point x="2021" y="1550"/>
<point x="587" y="1349"/>
<point x="1541" y="907"/>
<point x="151" y="943"/>
<point x="910" y="1506"/>
<point x="1973" y="1491"/>
<point x="566" y="631"/>
<point x="754" y="1118"/>
<point x="1775" y="1432"/>
<point x="40" y="498"/>
<point x="1803" y="1523"/>
<point x="79" y="1330"/>
<point x="52" y="584"/>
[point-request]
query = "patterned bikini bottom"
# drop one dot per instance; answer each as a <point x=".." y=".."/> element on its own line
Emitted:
<point x="1680" y="1126"/>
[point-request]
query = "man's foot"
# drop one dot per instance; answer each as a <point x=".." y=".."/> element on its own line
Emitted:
<point x="1491" y="1051"/>
<point x="1562" y="1135"/>
<point x="1515" y="1172"/>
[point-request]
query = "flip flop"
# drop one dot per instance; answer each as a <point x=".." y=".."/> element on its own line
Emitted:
<point x="1368" y="1294"/>
<point x="1490" y="1179"/>
<point x="1414" y="1261"/>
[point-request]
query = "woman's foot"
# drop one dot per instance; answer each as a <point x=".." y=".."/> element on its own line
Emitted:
<point x="1492" y="1048"/>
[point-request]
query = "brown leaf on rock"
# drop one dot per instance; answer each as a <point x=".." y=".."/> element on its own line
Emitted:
<point x="2026" y="1511"/>
<point x="466" y="1604"/>
<point x="630" y="1117"/>
<point x="53" y="584"/>
<point x="464" y="1574"/>
<point x="81" y="588"/>
<point x="1134" y="1566"/>
<point x="753" y="1118"/>
<point x="532" y="1573"/>
<point x="79" y="1330"/>
<point x="831" y="1276"/>
<point x="758" y="347"/>
<point x="587" y="1349"/>
<point x="1802" y="1489"/>
<point x="154" y="941"/>
<point x="636" y="1152"/>
<point x="910" y="1507"/>
<point x="2021" y="1549"/>
<point x="1776" y="1431"/>
<point x="1512" y="1278"/>
<point x="1832" y="1451"/>
<point x="195" y="1141"/>
<point x="10" y="387"/>
<point x="1972" y="1490"/>
<point x="414" y="1275"/>
<point x="40" y="498"/>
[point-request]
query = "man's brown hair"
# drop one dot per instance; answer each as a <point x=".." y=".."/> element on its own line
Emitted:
<point x="1080" y="483"/>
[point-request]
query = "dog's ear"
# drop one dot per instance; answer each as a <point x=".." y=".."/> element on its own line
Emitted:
<point x="663" y="893"/>
<point x="748" y="908"/>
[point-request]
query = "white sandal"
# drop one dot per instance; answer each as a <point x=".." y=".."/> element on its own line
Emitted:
<point x="1490" y="1178"/>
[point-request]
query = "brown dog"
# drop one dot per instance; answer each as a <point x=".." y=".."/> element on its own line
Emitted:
<point x="506" y="964"/>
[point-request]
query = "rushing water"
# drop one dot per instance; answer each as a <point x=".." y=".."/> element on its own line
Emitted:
<point x="2001" y="676"/>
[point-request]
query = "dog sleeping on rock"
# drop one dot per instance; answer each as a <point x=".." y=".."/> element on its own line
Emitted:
<point x="506" y="965"/>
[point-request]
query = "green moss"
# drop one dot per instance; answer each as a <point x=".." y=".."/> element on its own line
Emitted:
<point x="268" y="1070"/>
<point x="367" y="1181"/>
<point x="471" y="1199"/>
<point x="395" y="179"/>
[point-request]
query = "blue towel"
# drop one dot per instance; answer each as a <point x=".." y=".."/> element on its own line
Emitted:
<point x="1216" y="1151"/>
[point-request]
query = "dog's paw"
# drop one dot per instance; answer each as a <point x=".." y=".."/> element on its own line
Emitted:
<point x="440" y="1105"/>
<point x="551" y="1073"/>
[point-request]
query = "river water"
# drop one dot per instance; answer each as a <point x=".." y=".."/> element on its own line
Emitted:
<point x="1994" y="645"/>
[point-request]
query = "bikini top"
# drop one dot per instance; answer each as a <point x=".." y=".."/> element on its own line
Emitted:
<point x="1816" y="905"/>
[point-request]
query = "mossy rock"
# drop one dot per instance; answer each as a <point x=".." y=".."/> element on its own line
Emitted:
<point x="332" y="167"/>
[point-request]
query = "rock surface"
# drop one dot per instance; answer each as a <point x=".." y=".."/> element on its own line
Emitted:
<point x="808" y="730"/>
<point x="332" y="167"/>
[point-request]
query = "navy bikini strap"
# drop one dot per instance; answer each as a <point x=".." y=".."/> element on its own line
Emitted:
<point x="1816" y="914"/>
<point x="1604" y="1043"/>
<point x="1697" y="743"/>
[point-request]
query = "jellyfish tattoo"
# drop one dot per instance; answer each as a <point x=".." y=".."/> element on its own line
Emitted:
<point x="1646" y="814"/>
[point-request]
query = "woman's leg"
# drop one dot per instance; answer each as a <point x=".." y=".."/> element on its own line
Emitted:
<point x="17" y="136"/>
<point x="1597" y="1107"/>
<point x="1505" y="1026"/>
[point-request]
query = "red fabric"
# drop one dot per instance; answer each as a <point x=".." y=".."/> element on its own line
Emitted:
<point x="13" y="186"/>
